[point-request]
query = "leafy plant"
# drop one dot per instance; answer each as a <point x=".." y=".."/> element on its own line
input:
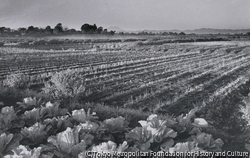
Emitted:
<point x="189" y="146"/>
<point x="8" y="143"/>
<point x="162" y="134"/>
<point x="184" y="122"/>
<point x="29" y="103"/>
<point x="102" y="134"/>
<point x="106" y="147"/>
<point x="67" y="142"/>
<point x="32" y="116"/>
<point x="25" y="152"/>
<point x="206" y="142"/>
<point x="73" y="135"/>
<point x="140" y="139"/>
<point x="39" y="114"/>
<point x="116" y="125"/>
<point x="88" y="127"/>
<point x="34" y="135"/>
<point x="109" y="147"/>
<point x="200" y="122"/>
<point x="7" y="116"/>
<point x="51" y="110"/>
<point x="82" y="116"/>
<point x="56" y="125"/>
<point x="9" y="119"/>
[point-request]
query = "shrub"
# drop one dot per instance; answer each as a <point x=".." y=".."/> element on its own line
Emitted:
<point x="17" y="80"/>
<point x="65" y="84"/>
<point x="245" y="109"/>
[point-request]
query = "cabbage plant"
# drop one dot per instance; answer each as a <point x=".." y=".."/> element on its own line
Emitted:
<point x="67" y="142"/>
<point x="81" y="116"/>
<point x="52" y="110"/>
<point x="9" y="119"/>
<point x="140" y="138"/>
<point x="57" y="124"/>
<point x="25" y="152"/>
<point x="206" y="142"/>
<point x="29" y="103"/>
<point x="189" y="146"/>
<point x="8" y="142"/>
<point x="110" y="147"/>
<point x="34" y="135"/>
<point x="184" y="122"/>
<point x="162" y="134"/>
<point x="117" y="127"/>
<point x="33" y="116"/>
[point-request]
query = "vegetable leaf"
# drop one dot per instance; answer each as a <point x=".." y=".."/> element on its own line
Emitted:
<point x="8" y="143"/>
<point x="141" y="137"/>
<point x="116" y="125"/>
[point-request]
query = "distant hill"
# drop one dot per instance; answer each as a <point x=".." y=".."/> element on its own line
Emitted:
<point x="196" y="31"/>
<point x="115" y="28"/>
<point x="158" y="31"/>
<point x="216" y="31"/>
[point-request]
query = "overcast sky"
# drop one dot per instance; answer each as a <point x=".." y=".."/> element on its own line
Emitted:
<point x="127" y="14"/>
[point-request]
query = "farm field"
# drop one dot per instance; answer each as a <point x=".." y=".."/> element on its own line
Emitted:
<point x="150" y="75"/>
<point x="170" y="77"/>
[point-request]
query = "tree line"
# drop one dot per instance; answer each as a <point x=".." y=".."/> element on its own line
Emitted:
<point x="58" y="29"/>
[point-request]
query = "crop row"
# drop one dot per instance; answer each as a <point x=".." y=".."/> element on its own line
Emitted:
<point x="161" y="78"/>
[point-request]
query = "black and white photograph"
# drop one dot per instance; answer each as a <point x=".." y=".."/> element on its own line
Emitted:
<point x="124" y="78"/>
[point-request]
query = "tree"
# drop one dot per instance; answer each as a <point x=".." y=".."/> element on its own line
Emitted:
<point x="48" y="30"/>
<point x="111" y="32"/>
<point x="2" y="29"/>
<point x="72" y="31"/>
<point x="105" y="31"/>
<point x="182" y="33"/>
<point x="87" y="28"/>
<point x="58" y="28"/>
<point x="99" y="30"/>
<point x="36" y="30"/>
<point x="94" y="28"/>
<point x="22" y="30"/>
<point x="31" y="29"/>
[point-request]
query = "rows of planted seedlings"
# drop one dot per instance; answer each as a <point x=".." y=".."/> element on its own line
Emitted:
<point x="159" y="66"/>
<point x="36" y="129"/>
<point x="210" y="88"/>
<point x="34" y="58"/>
<point x="122" y="79"/>
<point x="163" y="81"/>
<point x="161" y="88"/>
<point x="30" y="58"/>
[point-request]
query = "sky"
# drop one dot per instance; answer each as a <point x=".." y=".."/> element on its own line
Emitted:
<point x="127" y="14"/>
